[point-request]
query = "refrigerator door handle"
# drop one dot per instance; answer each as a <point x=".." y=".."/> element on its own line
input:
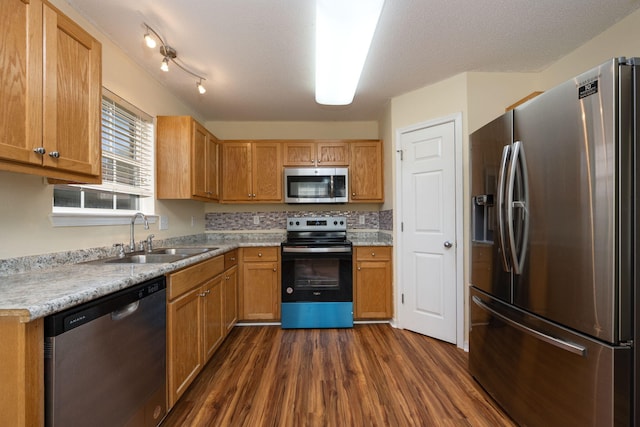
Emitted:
<point x="500" y="208"/>
<point x="563" y="345"/>
<point x="518" y="159"/>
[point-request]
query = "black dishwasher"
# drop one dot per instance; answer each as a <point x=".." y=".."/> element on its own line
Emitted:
<point x="105" y="360"/>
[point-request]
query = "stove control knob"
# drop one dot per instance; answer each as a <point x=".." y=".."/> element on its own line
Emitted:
<point x="289" y="290"/>
<point x="335" y="222"/>
<point x="290" y="222"/>
<point x="341" y="222"/>
<point x="297" y="222"/>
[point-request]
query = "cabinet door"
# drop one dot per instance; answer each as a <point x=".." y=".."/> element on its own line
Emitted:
<point x="373" y="290"/>
<point x="230" y="298"/>
<point x="365" y="172"/>
<point x="199" y="149"/>
<point x="184" y="335"/>
<point x="332" y="153"/>
<point x="21" y="80"/>
<point x="212" y="187"/>
<point x="72" y="96"/>
<point x="236" y="171"/>
<point x="260" y="291"/>
<point x="267" y="171"/>
<point x="299" y="153"/>
<point x="372" y="285"/>
<point x="213" y="328"/>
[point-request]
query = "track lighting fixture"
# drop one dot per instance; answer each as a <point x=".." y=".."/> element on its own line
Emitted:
<point x="169" y="54"/>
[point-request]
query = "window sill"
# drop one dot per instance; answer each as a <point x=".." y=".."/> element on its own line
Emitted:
<point x="88" y="220"/>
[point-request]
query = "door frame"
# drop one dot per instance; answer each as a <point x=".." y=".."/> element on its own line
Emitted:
<point x="459" y="246"/>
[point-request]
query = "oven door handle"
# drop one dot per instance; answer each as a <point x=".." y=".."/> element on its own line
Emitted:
<point x="303" y="250"/>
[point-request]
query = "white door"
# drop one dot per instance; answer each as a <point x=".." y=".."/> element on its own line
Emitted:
<point x="427" y="252"/>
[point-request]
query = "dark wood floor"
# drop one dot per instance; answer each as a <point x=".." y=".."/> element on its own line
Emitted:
<point x="371" y="375"/>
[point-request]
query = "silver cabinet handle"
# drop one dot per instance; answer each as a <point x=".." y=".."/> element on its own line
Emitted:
<point x="39" y="150"/>
<point x="567" y="346"/>
<point x="448" y="244"/>
<point x="54" y="154"/>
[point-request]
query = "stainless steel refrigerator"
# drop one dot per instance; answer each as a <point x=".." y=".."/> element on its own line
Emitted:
<point x="554" y="253"/>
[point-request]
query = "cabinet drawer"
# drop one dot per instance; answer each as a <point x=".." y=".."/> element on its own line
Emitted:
<point x="260" y="254"/>
<point x="368" y="253"/>
<point x="230" y="259"/>
<point x="194" y="275"/>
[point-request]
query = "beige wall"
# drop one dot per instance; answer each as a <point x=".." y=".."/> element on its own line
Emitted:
<point x="621" y="39"/>
<point x="294" y="130"/>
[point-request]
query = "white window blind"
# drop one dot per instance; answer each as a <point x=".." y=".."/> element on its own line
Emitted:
<point x="127" y="136"/>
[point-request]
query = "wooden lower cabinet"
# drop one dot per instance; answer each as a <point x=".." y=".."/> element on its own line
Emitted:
<point x="196" y="320"/>
<point x="213" y="330"/>
<point x="260" y="284"/>
<point x="184" y="337"/>
<point x="372" y="285"/>
<point x="230" y="293"/>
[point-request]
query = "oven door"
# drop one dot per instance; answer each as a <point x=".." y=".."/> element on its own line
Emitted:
<point x="317" y="273"/>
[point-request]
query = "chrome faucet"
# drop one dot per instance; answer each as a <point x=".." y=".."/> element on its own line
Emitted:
<point x="132" y="242"/>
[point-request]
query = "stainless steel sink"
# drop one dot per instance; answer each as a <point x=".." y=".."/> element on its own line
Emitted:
<point x="146" y="259"/>
<point x="182" y="251"/>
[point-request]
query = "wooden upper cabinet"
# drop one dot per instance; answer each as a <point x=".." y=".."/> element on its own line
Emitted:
<point x="316" y="153"/>
<point x="204" y="174"/>
<point x="267" y="172"/>
<point x="50" y="84"/>
<point x="365" y="172"/>
<point x="236" y="171"/>
<point x="186" y="160"/>
<point x="251" y="171"/>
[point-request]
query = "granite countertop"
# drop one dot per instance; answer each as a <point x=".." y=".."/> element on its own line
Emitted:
<point x="42" y="291"/>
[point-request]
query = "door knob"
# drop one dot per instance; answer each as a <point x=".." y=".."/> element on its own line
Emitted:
<point x="448" y="244"/>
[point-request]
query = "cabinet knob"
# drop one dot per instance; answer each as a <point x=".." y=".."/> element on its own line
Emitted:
<point x="373" y="254"/>
<point x="259" y="253"/>
<point x="202" y="295"/>
<point x="353" y="194"/>
<point x="359" y="269"/>
<point x="253" y="195"/>
<point x="54" y="154"/>
<point x="232" y="259"/>
<point x="319" y="161"/>
<point x="275" y="269"/>
<point x="39" y="150"/>
<point x="249" y="195"/>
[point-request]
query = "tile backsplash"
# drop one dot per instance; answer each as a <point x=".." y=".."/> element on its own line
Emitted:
<point x="356" y="220"/>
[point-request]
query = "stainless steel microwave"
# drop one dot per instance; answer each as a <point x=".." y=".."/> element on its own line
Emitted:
<point x="316" y="185"/>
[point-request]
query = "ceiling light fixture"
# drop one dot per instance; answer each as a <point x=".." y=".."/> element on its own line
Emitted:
<point x="170" y="54"/>
<point x="344" y="30"/>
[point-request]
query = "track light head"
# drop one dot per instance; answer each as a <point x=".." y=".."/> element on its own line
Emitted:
<point x="201" y="88"/>
<point x="165" y="64"/>
<point x="149" y="41"/>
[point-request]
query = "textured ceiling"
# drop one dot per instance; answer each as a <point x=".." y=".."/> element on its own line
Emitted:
<point x="258" y="55"/>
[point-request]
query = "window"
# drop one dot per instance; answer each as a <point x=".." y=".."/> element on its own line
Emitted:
<point x="127" y="165"/>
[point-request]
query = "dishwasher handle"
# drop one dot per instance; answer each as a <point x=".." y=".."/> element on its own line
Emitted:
<point x="125" y="311"/>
